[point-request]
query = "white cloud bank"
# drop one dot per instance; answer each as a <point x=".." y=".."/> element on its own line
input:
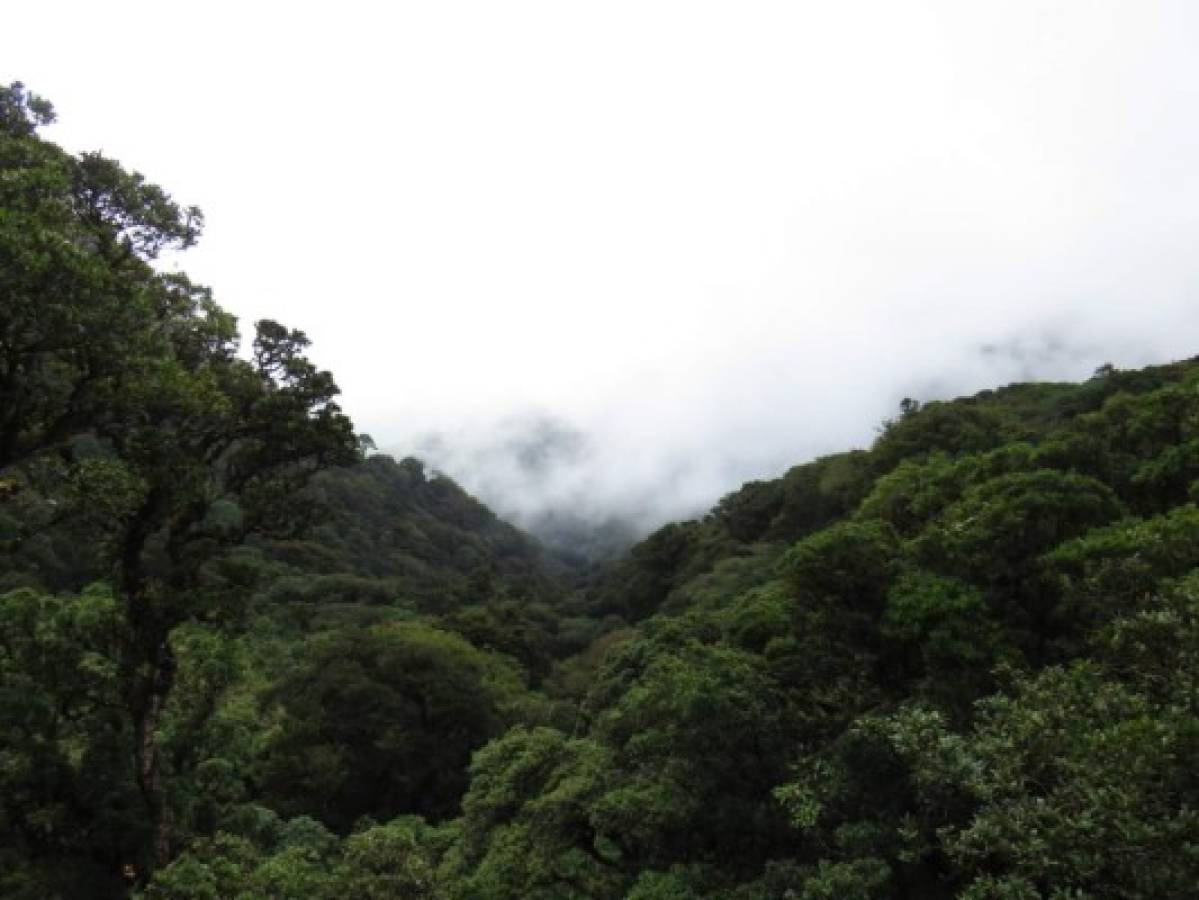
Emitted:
<point x="714" y="238"/>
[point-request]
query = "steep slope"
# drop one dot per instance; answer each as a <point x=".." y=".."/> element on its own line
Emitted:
<point x="385" y="532"/>
<point x="749" y="528"/>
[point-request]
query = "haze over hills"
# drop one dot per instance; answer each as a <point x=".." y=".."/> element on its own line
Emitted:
<point x="739" y="247"/>
<point x="590" y="494"/>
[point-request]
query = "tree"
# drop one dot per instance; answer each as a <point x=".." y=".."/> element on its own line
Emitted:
<point x="1082" y="786"/>
<point x="383" y="721"/>
<point x="82" y="304"/>
<point x="68" y="805"/>
<point x="526" y="831"/>
<point x="520" y="629"/>
<point x="700" y="734"/>
<point x="945" y="636"/>
<point x="1112" y="571"/>
<point x="853" y="562"/>
<point x="199" y="447"/>
<point x="995" y="535"/>
<point x="205" y="428"/>
<point x="960" y="426"/>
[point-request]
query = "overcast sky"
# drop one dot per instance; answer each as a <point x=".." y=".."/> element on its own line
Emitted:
<point x="690" y="242"/>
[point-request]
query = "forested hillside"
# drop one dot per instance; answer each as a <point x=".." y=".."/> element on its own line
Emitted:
<point x="242" y="656"/>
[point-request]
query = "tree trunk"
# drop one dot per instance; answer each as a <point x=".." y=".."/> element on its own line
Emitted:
<point x="149" y="696"/>
<point x="148" y="670"/>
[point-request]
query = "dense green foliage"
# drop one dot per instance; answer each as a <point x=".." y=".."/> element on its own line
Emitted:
<point x="242" y="657"/>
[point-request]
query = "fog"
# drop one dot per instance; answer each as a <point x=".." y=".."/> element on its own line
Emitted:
<point x="612" y="260"/>
<point x="655" y="457"/>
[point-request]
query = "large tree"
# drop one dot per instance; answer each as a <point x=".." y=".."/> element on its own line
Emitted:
<point x="190" y="446"/>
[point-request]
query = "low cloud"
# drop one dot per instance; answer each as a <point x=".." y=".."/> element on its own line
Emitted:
<point x="660" y="456"/>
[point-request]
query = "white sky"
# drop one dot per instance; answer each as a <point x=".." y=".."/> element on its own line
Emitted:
<point x="717" y="238"/>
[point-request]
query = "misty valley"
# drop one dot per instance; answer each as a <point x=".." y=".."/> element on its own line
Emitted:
<point x="245" y="655"/>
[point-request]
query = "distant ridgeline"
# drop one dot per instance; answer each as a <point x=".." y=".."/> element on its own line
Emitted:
<point x="242" y="657"/>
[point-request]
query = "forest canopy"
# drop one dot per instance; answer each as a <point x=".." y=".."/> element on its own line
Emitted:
<point x="242" y="655"/>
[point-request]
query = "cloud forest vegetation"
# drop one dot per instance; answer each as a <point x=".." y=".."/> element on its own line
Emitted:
<point x="244" y="656"/>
